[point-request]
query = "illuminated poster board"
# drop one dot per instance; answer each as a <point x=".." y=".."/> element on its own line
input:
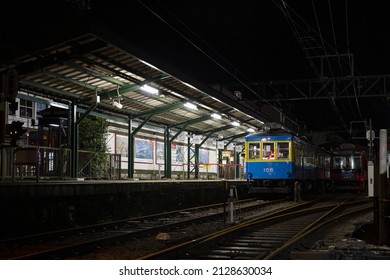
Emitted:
<point x="144" y="150"/>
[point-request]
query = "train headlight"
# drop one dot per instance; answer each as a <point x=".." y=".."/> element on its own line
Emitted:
<point x="266" y="127"/>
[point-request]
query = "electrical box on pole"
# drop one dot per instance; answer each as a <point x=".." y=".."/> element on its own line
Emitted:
<point x="370" y="179"/>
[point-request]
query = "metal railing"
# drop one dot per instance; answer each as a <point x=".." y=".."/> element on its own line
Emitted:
<point x="209" y="171"/>
<point x="55" y="163"/>
<point x="96" y="165"/>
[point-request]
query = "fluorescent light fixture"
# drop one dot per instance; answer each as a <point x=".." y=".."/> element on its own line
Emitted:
<point x="117" y="104"/>
<point x="58" y="105"/>
<point x="150" y="65"/>
<point x="188" y="85"/>
<point x="235" y="123"/>
<point x="250" y="130"/>
<point x="190" y="106"/>
<point x="216" y="116"/>
<point x="149" y="89"/>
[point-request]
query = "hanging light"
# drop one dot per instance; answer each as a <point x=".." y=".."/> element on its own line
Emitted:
<point x="191" y="106"/>
<point x="117" y="103"/>
<point x="235" y="123"/>
<point x="216" y="116"/>
<point x="149" y="89"/>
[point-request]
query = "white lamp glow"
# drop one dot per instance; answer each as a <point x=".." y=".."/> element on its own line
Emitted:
<point x="117" y="104"/>
<point x="235" y="123"/>
<point x="190" y="106"/>
<point x="216" y="116"/>
<point x="149" y="89"/>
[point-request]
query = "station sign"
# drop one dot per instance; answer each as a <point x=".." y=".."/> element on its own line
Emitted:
<point x="370" y="135"/>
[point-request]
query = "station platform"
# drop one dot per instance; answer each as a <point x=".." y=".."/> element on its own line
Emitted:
<point x="29" y="206"/>
<point x="21" y="189"/>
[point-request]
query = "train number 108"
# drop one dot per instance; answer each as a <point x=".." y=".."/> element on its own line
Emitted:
<point x="268" y="170"/>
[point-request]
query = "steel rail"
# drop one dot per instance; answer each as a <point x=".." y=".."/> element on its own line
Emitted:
<point x="278" y="215"/>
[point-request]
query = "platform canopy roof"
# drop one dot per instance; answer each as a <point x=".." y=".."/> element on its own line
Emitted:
<point x="97" y="66"/>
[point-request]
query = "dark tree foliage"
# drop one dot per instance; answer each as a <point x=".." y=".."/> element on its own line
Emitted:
<point x="92" y="136"/>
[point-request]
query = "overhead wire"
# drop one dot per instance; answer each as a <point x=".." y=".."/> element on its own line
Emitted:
<point x="321" y="37"/>
<point x="206" y="54"/>
<point x="305" y="30"/>
<point x="339" y="61"/>
<point x="347" y="31"/>
<point x="335" y="89"/>
<point x="332" y="24"/>
<point x="334" y="38"/>
<point x="192" y="43"/>
<point x="303" y="40"/>
<point x="351" y="68"/>
<point x="350" y="65"/>
<point x="286" y="9"/>
<point x="295" y="27"/>
<point x="349" y="58"/>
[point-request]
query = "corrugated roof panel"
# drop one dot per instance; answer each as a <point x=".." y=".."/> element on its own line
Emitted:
<point x="75" y="69"/>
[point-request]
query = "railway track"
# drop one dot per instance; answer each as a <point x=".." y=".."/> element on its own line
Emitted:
<point x="268" y="237"/>
<point x="64" y="243"/>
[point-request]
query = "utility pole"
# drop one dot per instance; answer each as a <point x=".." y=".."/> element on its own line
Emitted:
<point x="383" y="201"/>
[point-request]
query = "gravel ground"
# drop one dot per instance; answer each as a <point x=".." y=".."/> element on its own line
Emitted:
<point x="139" y="247"/>
<point x="359" y="228"/>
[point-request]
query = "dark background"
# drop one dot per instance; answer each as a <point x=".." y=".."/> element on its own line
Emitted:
<point x="236" y="44"/>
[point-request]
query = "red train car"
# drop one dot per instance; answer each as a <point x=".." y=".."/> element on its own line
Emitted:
<point x="349" y="168"/>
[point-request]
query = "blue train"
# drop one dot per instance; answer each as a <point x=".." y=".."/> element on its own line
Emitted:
<point x="277" y="159"/>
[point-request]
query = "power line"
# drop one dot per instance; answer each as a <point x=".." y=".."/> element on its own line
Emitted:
<point x="205" y="53"/>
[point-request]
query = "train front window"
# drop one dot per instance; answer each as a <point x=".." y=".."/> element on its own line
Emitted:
<point x="254" y="150"/>
<point x="347" y="162"/>
<point x="283" y="150"/>
<point x="268" y="151"/>
<point x="355" y="162"/>
<point x="338" y="162"/>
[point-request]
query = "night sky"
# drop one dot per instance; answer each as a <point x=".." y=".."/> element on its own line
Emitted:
<point x="252" y="38"/>
<point x="224" y="42"/>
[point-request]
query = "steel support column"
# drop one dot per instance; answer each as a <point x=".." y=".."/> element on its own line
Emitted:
<point x="130" y="150"/>
<point x="383" y="201"/>
<point x="220" y="168"/>
<point x="75" y="137"/>
<point x="167" y="153"/>
<point x="131" y="145"/>
<point x="197" y="148"/>
<point x="188" y="157"/>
